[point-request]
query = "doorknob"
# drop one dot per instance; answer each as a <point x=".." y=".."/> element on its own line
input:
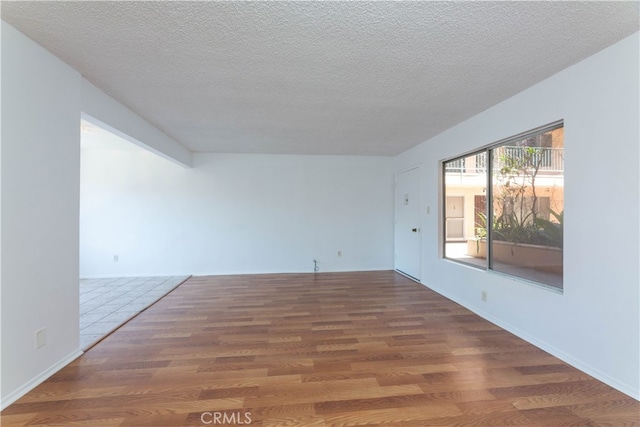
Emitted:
<point x="415" y="230"/>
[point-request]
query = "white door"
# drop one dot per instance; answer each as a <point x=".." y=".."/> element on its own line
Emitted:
<point x="408" y="240"/>
<point x="454" y="213"/>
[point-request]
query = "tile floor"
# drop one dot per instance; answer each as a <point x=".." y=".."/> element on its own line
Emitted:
<point x="106" y="304"/>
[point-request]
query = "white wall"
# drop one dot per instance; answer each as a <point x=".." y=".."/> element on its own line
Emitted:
<point x="237" y="213"/>
<point x="104" y="111"/>
<point x="42" y="100"/>
<point x="40" y="204"/>
<point x="595" y="324"/>
<point x="1" y="393"/>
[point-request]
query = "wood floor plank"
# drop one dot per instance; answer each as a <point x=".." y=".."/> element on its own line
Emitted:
<point x="404" y="416"/>
<point x="331" y="349"/>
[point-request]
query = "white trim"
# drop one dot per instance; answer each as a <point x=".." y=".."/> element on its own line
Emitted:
<point x="30" y="385"/>
<point x="410" y="168"/>
<point x="402" y="273"/>
<point x="571" y="360"/>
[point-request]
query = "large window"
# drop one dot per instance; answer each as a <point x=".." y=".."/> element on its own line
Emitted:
<point x="504" y="206"/>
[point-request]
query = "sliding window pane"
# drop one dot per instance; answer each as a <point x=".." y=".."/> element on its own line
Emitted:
<point x="465" y="209"/>
<point x="528" y="208"/>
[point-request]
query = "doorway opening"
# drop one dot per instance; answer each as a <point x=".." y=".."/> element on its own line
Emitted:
<point x="109" y="296"/>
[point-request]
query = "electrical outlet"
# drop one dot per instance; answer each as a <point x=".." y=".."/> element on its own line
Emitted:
<point x="116" y="258"/>
<point x="484" y="296"/>
<point x="41" y="338"/>
<point x="339" y="253"/>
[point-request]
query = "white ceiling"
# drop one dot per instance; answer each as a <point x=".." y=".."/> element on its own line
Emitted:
<point x="370" y="78"/>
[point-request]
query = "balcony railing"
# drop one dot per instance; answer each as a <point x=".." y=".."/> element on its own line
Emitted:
<point x="551" y="160"/>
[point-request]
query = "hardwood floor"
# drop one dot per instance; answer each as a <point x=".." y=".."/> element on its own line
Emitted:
<point x="348" y="349"/>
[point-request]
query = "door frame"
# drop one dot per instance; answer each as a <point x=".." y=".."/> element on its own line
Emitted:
<point x="417" y="167"/>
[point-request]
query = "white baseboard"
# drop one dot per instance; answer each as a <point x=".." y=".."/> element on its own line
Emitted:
<point x="17" y="394"/>
<point x="415" y="279"/>
<point x="571" y="360"/>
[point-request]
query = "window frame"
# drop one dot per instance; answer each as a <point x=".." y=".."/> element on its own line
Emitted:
<point x="488" y="151"/>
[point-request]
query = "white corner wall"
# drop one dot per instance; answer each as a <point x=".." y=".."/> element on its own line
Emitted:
<point x="234" y="213"/>
<point x="595" y="324"/>
<point x="104" y="111"/>
<point x="42" y="103"/>
<point x="40" y="208"/>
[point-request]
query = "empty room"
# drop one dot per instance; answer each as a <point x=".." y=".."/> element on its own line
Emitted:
<point x="320" y="213"/>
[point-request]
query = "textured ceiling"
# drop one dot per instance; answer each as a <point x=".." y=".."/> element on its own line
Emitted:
<point x="317" y="77"/>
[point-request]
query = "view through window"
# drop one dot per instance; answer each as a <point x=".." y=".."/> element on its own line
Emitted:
<point x="504" y="207"/>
